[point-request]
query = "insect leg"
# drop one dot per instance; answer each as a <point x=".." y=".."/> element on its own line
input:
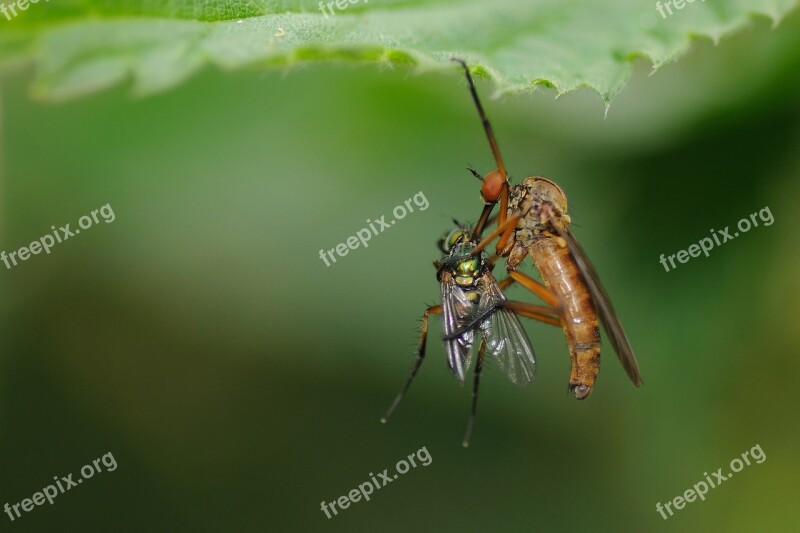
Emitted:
<point x="503" y="245"/>
<point x="474" y="410"/>
<point x="505" y="230"/>
<point x="548" y="315"/>
<point x="487" y="209"/>
<point x="503" y="204"/>
<point x="501" y="168"/>
<point x="485" y="121"/>
<point x="503" y="285"/>
<point x="423" y="337"/>
<point x="535" y="287"/>
<point x="481" y="224"/>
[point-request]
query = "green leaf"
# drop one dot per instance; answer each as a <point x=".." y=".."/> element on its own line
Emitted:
<point x="82" y="46"/>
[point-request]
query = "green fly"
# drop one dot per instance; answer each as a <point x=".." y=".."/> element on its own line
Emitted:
<point x="473" y="305"/>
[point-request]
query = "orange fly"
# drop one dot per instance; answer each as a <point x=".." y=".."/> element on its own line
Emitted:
<point x="533" y="220"/>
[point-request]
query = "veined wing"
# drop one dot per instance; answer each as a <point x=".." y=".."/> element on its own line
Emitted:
<point x="506" y="340"/>
<point x="457" y="313"/>
<point x="619" y="341"/>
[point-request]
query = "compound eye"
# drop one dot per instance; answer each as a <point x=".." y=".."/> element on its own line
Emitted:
<point x="456" y="236"/>
<point x="492" y="186"/>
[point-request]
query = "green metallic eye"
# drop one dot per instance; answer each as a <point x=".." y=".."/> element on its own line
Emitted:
<point x="456" y="236"/>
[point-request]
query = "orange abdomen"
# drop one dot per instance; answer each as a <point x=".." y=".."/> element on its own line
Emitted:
<point x="560" y="273"/>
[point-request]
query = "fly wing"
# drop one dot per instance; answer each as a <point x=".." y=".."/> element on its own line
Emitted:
<point x="506" y="340"/>
<point x="619" y="341"/>
<point x="457" y="312"/>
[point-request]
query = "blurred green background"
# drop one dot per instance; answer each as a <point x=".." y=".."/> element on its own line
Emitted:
<point x="239" y="382"/>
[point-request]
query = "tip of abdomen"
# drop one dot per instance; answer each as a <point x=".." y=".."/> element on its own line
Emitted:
<point x="580" y="390"/>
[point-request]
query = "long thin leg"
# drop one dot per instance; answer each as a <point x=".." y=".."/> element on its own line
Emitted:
<point x="505" y="229"/>
<point x="535" y="312"/>
<point x="501" y="248"/>
<point x="504" y="284"/>
<point x="475" y="384"/>
<point x="423" y="337"/>
<point x="481" y="224"/>
<point x="501" y="217"/>
<point x="501" y="168"/>
<point x="542" y="313"/>
<point x="485" y="220"/>
<point x="486" y="125"/>
<point x="548" y="315"/>
<point x="535" y="287"/>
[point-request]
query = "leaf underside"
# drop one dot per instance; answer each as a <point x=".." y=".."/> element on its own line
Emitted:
<point x="81" y="46"/>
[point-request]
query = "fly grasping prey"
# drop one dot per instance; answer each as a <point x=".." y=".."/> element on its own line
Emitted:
<point x="533" y="220"/>
<point x="473" y="302"/>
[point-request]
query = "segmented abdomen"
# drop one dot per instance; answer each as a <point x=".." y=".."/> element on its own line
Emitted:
<point x="560" y="273"/>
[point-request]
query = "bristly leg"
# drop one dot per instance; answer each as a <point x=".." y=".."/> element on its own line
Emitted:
<point x="475" y="384"/>
<point x="423" y="337"/>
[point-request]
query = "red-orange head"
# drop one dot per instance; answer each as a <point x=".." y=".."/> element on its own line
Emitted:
<point x="492" y="186"/>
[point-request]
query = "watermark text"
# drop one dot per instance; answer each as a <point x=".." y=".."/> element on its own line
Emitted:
<point x="365" y="489"/>
<point x="10" y="10"/>
<point x="48" y="240"/>
<point x="669" y="4"/>
<point x="362" y="236"/>
<point x="62" y="485"/>
<point x="340" y="5"/>
<point x="700" y="489"/>
<point x="706" y="244"/>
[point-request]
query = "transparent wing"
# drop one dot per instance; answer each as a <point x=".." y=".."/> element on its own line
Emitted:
<point x="457" y="314"/>
<point x="619" y="341"/>
<point x="507" y="342"/>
